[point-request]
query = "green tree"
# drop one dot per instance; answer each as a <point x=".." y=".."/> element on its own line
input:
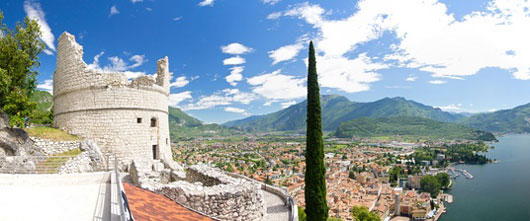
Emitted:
<point x="315" y="174"/>
<point x="430" y="184"/>
<point x="351" y="175"/>
<point x="19" y="50"/>
<point x="301" y="214"/>
<point x="443" y="179"/>
<point x="361" y="213"/>
<point x="229" y="168"/>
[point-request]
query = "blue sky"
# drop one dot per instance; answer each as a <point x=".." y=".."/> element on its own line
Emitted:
<point x="235" y="58"/>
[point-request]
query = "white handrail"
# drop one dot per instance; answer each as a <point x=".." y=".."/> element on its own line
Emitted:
<point x="125" y="211"/>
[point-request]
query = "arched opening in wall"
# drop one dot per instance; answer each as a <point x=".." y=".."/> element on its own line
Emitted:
<point x="153" y="122"/>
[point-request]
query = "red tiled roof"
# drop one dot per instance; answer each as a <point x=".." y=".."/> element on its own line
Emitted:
<point x="146" y="205"/>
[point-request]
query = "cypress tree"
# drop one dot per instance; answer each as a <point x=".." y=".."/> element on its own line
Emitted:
<point x="315" y="172"/>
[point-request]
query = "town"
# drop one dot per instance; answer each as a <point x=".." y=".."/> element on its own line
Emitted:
<point x="383" y="176"/>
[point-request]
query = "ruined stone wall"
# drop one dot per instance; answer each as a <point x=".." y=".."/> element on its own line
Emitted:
<point x="51" y="147"/>
<point x="110" y="110"/>
<point x="203" y="189"/>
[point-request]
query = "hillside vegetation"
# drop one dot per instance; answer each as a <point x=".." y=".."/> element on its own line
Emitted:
<point x="183" y="127"/>
<point x="43" y="113"/>
<point x="337" y="109"/>
<point x="516" y="120"/>
<point x="412" y="127"/>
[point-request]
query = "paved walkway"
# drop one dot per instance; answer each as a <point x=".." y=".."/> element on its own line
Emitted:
<point x="55" y="197"/>
<point x="275" y="208"/>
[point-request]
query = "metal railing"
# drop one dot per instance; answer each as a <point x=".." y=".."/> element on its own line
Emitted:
<point x="293" y="216"/>
<point x="125" y="211"/>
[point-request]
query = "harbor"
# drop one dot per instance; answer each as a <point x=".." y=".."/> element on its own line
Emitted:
<point x="453" y="172"/>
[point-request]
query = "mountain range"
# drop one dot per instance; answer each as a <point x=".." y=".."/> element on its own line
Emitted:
<point x="337" y="109"/>
<point x="516" y="120"/>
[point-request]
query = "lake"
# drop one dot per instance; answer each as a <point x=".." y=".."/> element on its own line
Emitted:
<point x="498" y="191"/>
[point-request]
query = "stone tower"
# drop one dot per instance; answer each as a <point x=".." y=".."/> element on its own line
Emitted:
<point x="128" y="119"/>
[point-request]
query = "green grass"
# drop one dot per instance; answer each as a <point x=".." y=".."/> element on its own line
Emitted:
<point x="52" y="164"/>
<point x="51" y="134"/>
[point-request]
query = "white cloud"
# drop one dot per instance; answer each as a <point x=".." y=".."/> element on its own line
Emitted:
<point x="113" y="11"/>
<point x="134" y="1"/>
<point x="133" y="74"/>
<point x="235" y="110"/>
<point x="241" y="97"/>
<point x="118" y="64"/>
<point x="177" y="18"/>
<point x="452" y="108"/>
<point x="411" y="78"/>
<point x="349" y="75"/>
<point x="312" y="14"/>
<point x="270" y="2"/>
<point x="288" y="104"/>
<point x="274" y="15"/>
<point x="235" y="75"/>
<point x="234" y="61"/>
<point x="95" y="63"/>
<point x="138" y="60"/>
<point x="333" y="41"/>
<point x="221" y="98"/>
<point x="236" y="48"/>
<point x="459" y="108"/>
<point x="430" y="38"/>
<point x="437" y="82"/>
<point x="175" y="99"/>
<point x="148" y="9"/>
<point x="34" y="11"/>
<point x="206" y="3"/>
<point x="277" y="86"/>
<point x="46" y="86"/>
<point x="180" y="82"/>
<point x="46" y="51"/>
<point x="285" y="53"/>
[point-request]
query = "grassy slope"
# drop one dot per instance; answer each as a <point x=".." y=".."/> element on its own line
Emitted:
<point x="50" y="133"/>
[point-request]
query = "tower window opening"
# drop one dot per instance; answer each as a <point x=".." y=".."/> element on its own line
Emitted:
<point x="153" y="122"/>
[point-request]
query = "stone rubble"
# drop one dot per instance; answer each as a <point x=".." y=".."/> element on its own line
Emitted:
<point x="90" y="160"/>
<point x="202" y="188"/>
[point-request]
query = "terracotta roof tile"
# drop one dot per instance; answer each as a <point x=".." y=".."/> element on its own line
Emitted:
<point x="146" y="205"/>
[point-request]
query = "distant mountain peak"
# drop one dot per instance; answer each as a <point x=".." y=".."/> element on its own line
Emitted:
<point x="337" y="109"/>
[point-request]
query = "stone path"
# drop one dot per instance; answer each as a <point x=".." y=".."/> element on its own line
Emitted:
<point x="55" y="197"/>
<point x="275" y="208"/>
